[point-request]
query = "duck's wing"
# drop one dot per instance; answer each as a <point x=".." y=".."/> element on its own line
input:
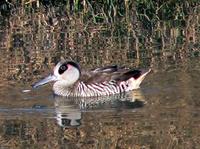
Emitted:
<point x="109" y="73"/>
<point x="127" y="75"/>
<point x="107" y="69"/>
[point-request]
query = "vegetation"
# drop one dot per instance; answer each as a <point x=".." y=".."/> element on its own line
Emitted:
<point x="71" y="28"/>
<point x="149" y="12"/>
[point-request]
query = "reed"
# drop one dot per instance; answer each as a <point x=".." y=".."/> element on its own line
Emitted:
<point x="35" y="34"/>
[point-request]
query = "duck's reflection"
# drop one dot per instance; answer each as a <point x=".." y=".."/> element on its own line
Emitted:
<point x="68" y="113"/>
<point x="69" y="110"/>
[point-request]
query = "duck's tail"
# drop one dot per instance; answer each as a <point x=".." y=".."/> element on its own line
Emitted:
<point x="134" y="82"/>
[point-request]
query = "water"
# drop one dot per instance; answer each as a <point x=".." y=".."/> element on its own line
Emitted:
<point x="163" y="113"/>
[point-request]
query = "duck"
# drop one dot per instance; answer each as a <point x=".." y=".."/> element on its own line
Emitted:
<point x="72" y="81"/>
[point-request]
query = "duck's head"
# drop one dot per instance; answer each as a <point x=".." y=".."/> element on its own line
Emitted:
<point x="65" y="73"/>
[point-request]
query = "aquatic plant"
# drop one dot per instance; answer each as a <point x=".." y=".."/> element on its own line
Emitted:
<point x="35" y="33"/>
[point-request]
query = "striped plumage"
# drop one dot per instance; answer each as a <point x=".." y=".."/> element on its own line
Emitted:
<point x="71" y="81"/>
<point x="97" y="89"/>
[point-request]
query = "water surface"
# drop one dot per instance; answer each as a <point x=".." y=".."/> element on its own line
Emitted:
<point x="166" y="113"/>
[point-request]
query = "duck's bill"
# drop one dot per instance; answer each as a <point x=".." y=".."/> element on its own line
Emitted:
<point x="44" y="81"/>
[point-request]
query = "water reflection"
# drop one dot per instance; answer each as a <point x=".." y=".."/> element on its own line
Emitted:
<point x="69" y="110"/>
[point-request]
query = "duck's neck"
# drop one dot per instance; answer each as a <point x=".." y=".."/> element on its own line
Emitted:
<point x="62" y="88"/>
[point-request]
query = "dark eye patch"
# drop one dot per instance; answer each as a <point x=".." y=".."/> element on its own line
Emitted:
<point x="62" y="68"/>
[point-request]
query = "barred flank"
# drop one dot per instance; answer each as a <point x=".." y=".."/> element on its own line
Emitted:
<point x="99" y="89"/>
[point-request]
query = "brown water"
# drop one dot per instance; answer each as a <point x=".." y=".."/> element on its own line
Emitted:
<point x="164" y="113"/>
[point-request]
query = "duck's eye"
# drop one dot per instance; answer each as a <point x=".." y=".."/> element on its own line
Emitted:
<point x="62" y="69"/>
